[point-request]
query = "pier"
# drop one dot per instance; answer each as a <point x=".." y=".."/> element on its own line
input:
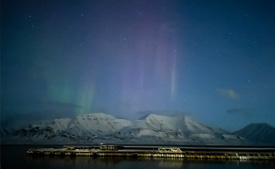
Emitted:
<point x="234" y="153"/>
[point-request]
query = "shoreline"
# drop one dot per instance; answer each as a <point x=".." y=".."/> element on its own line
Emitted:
<point x="155" y="151"/>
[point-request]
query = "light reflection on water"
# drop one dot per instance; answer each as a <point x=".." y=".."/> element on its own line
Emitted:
<point x="15" y="157"/>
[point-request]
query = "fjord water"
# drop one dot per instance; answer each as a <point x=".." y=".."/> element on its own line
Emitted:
<point x="13" y="156"/>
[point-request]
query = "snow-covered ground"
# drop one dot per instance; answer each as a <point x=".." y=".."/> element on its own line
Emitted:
<point x="98" y="127"/>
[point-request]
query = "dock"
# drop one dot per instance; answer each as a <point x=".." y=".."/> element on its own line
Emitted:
<point x="226" y="153"/>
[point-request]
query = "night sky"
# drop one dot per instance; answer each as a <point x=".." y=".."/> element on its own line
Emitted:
<point x="213" y="60"/>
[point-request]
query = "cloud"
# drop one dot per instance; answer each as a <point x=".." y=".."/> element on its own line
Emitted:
<point x="228" y="93"/>
<point x="245" y="112"/>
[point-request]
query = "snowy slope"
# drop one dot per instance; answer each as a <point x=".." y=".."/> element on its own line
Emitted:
<point x="84" y="128"/>
<point x="99" y="127"/>
<point x="153" y="128"/>
<point x="100" y="122"/>
<point x="176" y="129"/>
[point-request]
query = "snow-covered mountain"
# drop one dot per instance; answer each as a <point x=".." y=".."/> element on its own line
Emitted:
<point x="258" y="133"/>
<point x="164" y="129"/>
<point x="83" y="129"/>
<point x="99" y="127"/>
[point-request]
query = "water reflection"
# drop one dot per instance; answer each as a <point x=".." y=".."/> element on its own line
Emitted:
<point x="170" y="163"/>
<point x="126" y="162"/>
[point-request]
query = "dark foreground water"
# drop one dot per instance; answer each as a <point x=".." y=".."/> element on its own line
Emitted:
<point x="13" y="157"/>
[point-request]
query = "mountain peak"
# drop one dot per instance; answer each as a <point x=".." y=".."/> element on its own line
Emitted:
<point x="151" y="128"/>
<point x="144" y="117"/>
<point x="261" y="133"/>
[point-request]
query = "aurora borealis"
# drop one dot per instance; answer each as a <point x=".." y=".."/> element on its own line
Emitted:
<point x="212" y="59"/>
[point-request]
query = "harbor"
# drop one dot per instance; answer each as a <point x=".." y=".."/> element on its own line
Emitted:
<point x="221" y="153"/>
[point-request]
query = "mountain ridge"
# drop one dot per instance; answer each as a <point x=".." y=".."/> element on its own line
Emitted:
<point x="99" y="127"/>
<point x="258" y="133"/>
